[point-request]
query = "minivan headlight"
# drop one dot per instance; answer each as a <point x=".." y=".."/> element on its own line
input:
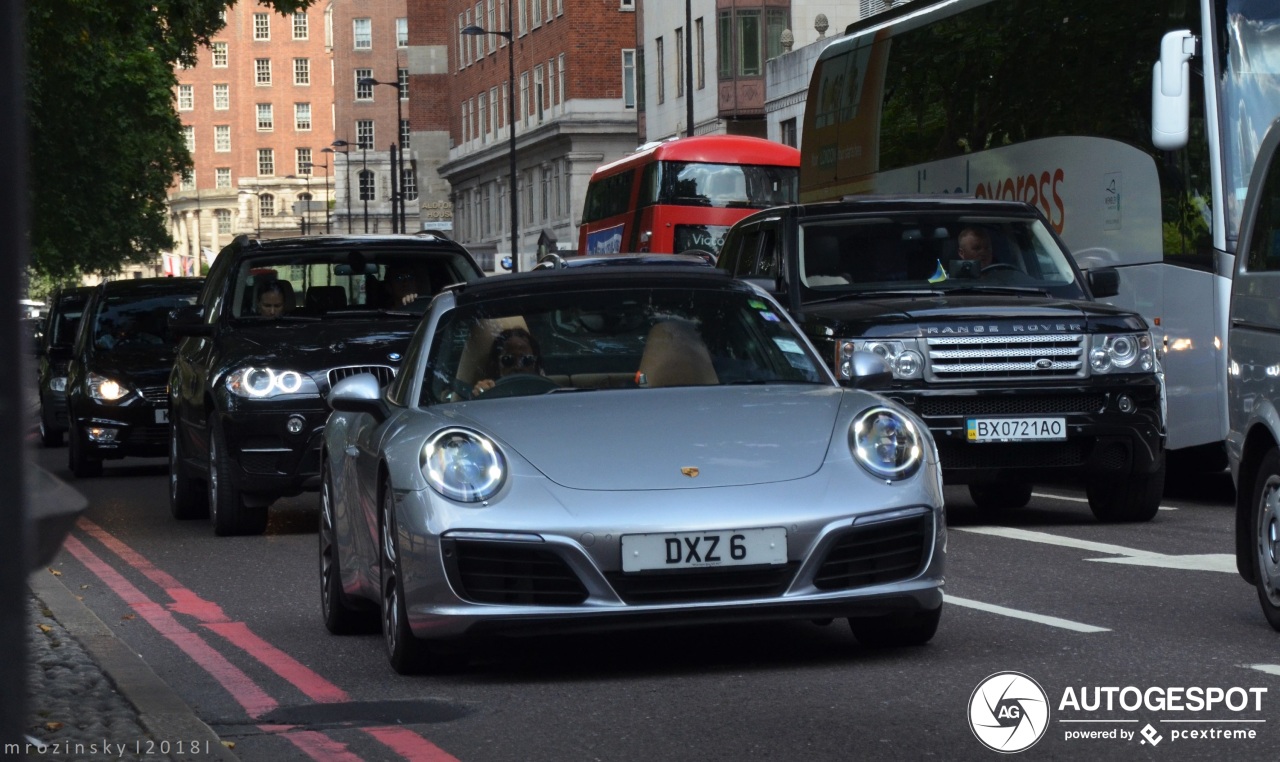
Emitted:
<point x="104" y="388"/>
<point x="1122" y="353"/>
<point x="264" y="383"/>
<point x="886" y="443"/>
<point x="463" y="465"/>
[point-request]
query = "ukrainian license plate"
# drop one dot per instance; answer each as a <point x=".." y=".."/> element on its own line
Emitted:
<point x="1016" y="429"/>
<point x="699" y="550"/>
<point x="162" y="415"/>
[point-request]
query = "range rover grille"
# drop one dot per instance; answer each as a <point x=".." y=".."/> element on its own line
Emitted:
<point x="977" y="358"/>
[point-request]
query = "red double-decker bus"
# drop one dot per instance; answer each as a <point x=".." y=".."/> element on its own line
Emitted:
<point x="683" y="194"/>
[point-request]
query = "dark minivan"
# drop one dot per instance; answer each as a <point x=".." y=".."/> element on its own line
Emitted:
<point x="54" y="347"/>
<point x="117" y="397"/>
<point x="278" y="323"/>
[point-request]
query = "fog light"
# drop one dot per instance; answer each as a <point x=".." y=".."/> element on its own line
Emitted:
<point x="1124" y="403"/>
<point x="295" y="424"/>
<point x="58" y="384"/>
<point x="103" y="436"/>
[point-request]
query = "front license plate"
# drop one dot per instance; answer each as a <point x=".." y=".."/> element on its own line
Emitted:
<point x="699" y="550"/>
<point x="162" y="415"/>
<point x="1016" y="429"/>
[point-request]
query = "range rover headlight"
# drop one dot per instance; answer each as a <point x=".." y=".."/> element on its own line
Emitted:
<point x="886" y="443"/>
<point x="103" y="388"/>
<point x="463" y="465"/>
<point x="264" y="383"/>
<point x="1122" y="353"/>
<point x="902" y="355"/>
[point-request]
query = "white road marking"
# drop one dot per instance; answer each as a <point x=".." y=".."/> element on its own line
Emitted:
<point x="1270" y="669"/>
<point x="1052" y="621"/>
<point x="1085" y="500"/>
<point x="1217" y="562"/>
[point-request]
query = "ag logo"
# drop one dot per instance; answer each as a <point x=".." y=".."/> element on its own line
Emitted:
<point x="1008" y="712"/>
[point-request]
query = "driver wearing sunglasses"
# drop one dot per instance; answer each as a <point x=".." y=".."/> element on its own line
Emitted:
<point x="514" y="351"/>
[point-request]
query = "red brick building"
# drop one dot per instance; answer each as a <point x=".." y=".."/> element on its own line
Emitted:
<point x="576" y="96"/>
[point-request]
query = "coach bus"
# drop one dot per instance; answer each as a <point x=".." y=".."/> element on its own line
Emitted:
<point x="683" y="194"/>
<point x="1133" y="126"/>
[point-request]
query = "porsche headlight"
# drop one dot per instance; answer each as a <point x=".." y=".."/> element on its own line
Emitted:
<point x="1122" y="353"/>
<point x="104" y="388"/>
<point x="264" y="383"/>
<point x="886" y="443"/>
<point x="463" y="465"/>
<point x="902" y="355"/>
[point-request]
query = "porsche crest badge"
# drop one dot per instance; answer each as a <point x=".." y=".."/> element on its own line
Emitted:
<point x="689" y="471"/>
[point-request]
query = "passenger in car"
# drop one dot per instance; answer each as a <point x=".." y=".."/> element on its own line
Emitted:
<point x="514" y="351"/>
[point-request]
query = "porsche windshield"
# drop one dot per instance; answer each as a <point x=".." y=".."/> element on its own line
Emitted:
<point x="639" y="338"/>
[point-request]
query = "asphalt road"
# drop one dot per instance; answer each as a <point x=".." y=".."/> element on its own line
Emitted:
<point x="1084" y="610"/>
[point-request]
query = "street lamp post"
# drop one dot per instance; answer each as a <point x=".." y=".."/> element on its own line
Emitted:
<point x="511" y="125"/>
<point x="306" y="211"/>
<point x="397" y="195"/>
<point x="347" y="176"/>
<point x="325" y="167"/>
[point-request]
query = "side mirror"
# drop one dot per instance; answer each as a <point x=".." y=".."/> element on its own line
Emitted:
<point x="189" y="321"/>
<point x="1104" y="282"/>
<point x="1171" y="91"/>
<point x="870" y="371"/>
<point x="358" y="394"/>
<point x="768" y="284"/>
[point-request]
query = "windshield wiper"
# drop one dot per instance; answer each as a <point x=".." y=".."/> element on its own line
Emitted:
<point x="875" y="294"/>
<point x="267" y="319"/>
<point x="999" y="289"/>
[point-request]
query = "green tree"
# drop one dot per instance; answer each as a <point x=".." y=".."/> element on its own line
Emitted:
<point x="105" y="137"/>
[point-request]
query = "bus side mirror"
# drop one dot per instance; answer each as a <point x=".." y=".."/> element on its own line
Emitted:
<point x="1104" y="282"/>
<point x="1171" y="91"/>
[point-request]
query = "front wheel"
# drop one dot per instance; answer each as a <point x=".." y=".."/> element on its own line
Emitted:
<point x="1136" y="498"/>
<point x="408" y="655"/>
<point x="914" y="629"/>
<point x="340" y="617"/>
<point x="227" y="508"/>
<point x="1266" y="532"/>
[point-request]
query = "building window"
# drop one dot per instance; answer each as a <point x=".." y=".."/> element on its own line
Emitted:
<point x="222" y="138"/>
<point x="409" y="183"/>
<point x="559" y="7"/>
<point x="366" y="186"/>
<point x="262" y="26"/>
<point x="300" y="29"/>
<point x="493" y="112"/>
<point x="564" y="96"/>
<point x="629" y="78"/>
<point x="679" y="56"/>
<point x="462" y="43"/>
<point x="466" y="124"/>
<point x="262" y="71"/>
<point x="266" y="205"/>
<point x="402" y="33"/>
<point x="776" y="20"/>
<point x="552" y="96"/>
<point x="221" y="97"/>
<point x="266" y="118"/>
<point x="302" y="160"/>
<point x="405" y="132"/>
<point x="524" y="98"/>
<point x="539" y="90"/>
<point x="364" y="92"/>
<point x="302" y="116"/>
<point x="523" y="23"/>
<point x="402" y="81"/>
<point x="627" y="5"/>
<point x="189" y="137"/>
<point x="492" y="24"/>
<point x="724" y="41"/>
<point x="223" y="218"/>
<point x="186" y="97"/>
<point x="662" y="79"/>
<point x="222" y="177"/>
<point x="789" y="132"/>
<point x="363" y="33"/>
<point x="364" y="134"/>
<point x="537" y="12"/>
<point x="484" y="118"/>
<point x="266" y="162"/>
<point x="746" y="41"/>
<point x="219" y="55"/>
<point x="302" y="71"/>
<point x="699" y="55"/>
<point x="544" y="203"/>
<point x="188" y="182"/>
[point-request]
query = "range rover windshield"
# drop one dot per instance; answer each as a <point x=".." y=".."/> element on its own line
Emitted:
<point x="874" y="255"/>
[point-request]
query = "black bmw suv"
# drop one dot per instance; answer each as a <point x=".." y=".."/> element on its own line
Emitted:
<point x="277" y="324"/>
<point x="992" y="334"/>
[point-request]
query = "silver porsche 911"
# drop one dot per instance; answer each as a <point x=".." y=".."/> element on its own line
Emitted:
<point x="624" y="446"/>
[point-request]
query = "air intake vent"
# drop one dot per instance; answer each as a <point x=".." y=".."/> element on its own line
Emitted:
<point x="876" y="554"/>
<point x="514" y="574"/>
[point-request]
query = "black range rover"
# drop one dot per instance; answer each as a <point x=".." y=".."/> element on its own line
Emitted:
<point x="992" y="335"/>
<point x="277" y="324"/>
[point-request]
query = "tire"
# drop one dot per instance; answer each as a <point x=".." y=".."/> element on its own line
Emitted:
<point x="1000" y="496"/>
<point x="408" y="655"/>
<point x="227" y="508"/>
<point x="78" y="460"/>
<point x="48" y="436"/>
<point x="1265" y="521"/>
<point x="1136" y="498"/>
<point x="187" y="496"/>
<point x="340" y="617"/>
<point x="897" y="630"/>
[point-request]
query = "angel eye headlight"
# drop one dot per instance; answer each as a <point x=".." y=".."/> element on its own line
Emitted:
<point x="463" y="465"/>
<point x="103" y="388"/>
<point x="260" y="383"/>
<point x="886" y="443"/>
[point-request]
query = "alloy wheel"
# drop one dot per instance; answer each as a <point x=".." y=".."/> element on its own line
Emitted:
<point x="1269" y="539"/>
